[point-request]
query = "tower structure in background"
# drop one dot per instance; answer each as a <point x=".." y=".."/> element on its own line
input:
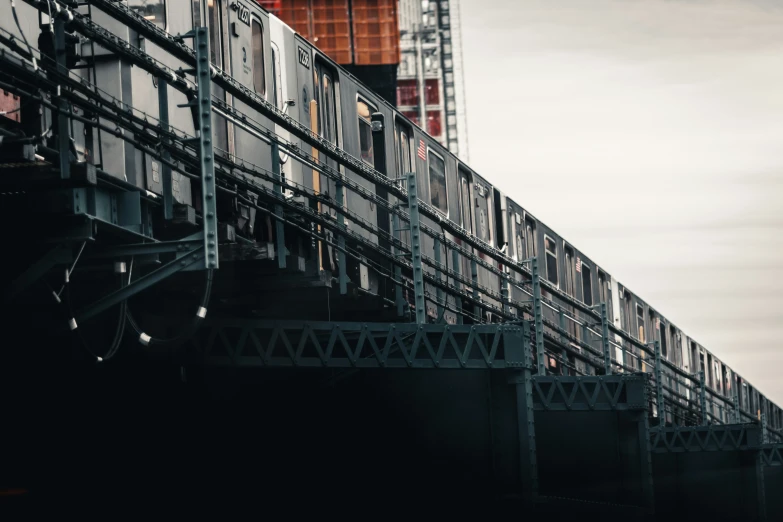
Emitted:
<point x="408" y="51"/>
<point x="430" y="84"/>
<point x="363" y="36"/>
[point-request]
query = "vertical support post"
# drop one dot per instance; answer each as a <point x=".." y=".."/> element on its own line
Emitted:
<point x="703" y="398"/>
<point x="476" y="295"/>
<point x="764" y="438"/>
<point x="761" y="488"/>
<point x="736" y="413"/>
<point x="342" y="270"/>
<point x="648" y="489"/>
<point x="204" y="109"/>
<point x="282" y="253"/>
<point x="660" y="399"/>
<point x="397" y="269"/>
<point x="523" y="382"/>
<point x="563" y="340"/>
<point x="457" y="284"/>
<point x="605" y="340"/>
<point x="538" y="316"/>
<point x="504" y="290"/>
<point x="165" y="169"/>
<point x="61" y="122"/>
<point x="439" y="277"/>
<point x="418" y="274"/>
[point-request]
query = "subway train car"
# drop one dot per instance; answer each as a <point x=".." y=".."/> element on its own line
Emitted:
<point x="267" y="57"/>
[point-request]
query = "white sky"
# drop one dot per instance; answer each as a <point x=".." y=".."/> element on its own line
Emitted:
<point x="649" y="133"/>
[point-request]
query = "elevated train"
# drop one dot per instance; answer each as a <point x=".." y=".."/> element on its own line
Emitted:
<point x="268" y="57"/>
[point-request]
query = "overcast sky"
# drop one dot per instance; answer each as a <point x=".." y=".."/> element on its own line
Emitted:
<point x="649" y="133"/>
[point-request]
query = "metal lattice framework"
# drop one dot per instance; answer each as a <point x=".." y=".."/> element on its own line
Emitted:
<point x="359" y="345"/>
<point x="612" y="392"/>
<point x="772" y="454"/>
<point x="317" y="344"/>
<point x="681" y="439"/>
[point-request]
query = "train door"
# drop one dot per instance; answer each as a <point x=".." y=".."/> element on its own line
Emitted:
<point x="483" y="214"/>
<point x="216" y="22"/>
<point x="466" y="221"/>
<point x="402" y="141"/>
<point x="280" y="95"/>
<point x="587" y="282"/>
<point x="531" y="245"/>
<point x="323" y="121"/>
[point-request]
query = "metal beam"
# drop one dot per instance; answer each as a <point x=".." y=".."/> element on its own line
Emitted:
<point x="590" y="393"/>
<point x="397" y="251"/>
<point x="166" y="181"/>
<point x="206" y="152"/>
<point x="723" y="437"/>
<point x="538" y="317"/>
<point x="659" y="398"/>
<point x="418" y="275"/>
<point x="140" y="249"/>
<point x="253" y="342"/>
<point x="703" y="398"/>
<point x="605" y="340"/>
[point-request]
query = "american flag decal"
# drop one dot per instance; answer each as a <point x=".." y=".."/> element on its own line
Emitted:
<point x="422" y="150"/>
<point x="578" y="264"/>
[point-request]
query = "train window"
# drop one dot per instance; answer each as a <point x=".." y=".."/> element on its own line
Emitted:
<point x="519" y="238"/>
<point x="677" y="343"/>
<point x="587" y="284"/>
<point x="551" y="260"/>
<point x="664" y="341"/>
<point x="259" y="75"/>
<point x="530" y="239"/>
<point x="403" y="141"/>
<point x="466" y="217"/>
<point x="625" y="311"/>
<point x="152" y="10"/>
<point x="215" y="40"/>
<point x="569" y="271"/>
<point x="640" y="322"/>
<point x="437" y="169"/>
<point x="325" y="97"/>
<point x="365" y="132"/>
<point x="718" y="378"/>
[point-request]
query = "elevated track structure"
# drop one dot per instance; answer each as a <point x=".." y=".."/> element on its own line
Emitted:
<point x="517" y="382"/>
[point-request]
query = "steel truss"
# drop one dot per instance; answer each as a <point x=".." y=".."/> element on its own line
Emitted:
<point x="188" y="154"/>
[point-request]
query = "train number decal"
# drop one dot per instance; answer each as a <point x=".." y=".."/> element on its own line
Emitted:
<point x="304" y="58"/>
<point x="244" y="13"/>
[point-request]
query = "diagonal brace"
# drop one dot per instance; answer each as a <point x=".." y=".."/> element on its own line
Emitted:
<point x="141" y="284"/>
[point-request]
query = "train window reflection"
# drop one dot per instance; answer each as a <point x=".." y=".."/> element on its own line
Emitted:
<point x="365" y="132"/>
<point x="152" y="10"/>
<point x="438" y="183"/>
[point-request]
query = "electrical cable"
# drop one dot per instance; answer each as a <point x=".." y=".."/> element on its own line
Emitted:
<point x="74" y="327"/>
<point x="147" y="340"/>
